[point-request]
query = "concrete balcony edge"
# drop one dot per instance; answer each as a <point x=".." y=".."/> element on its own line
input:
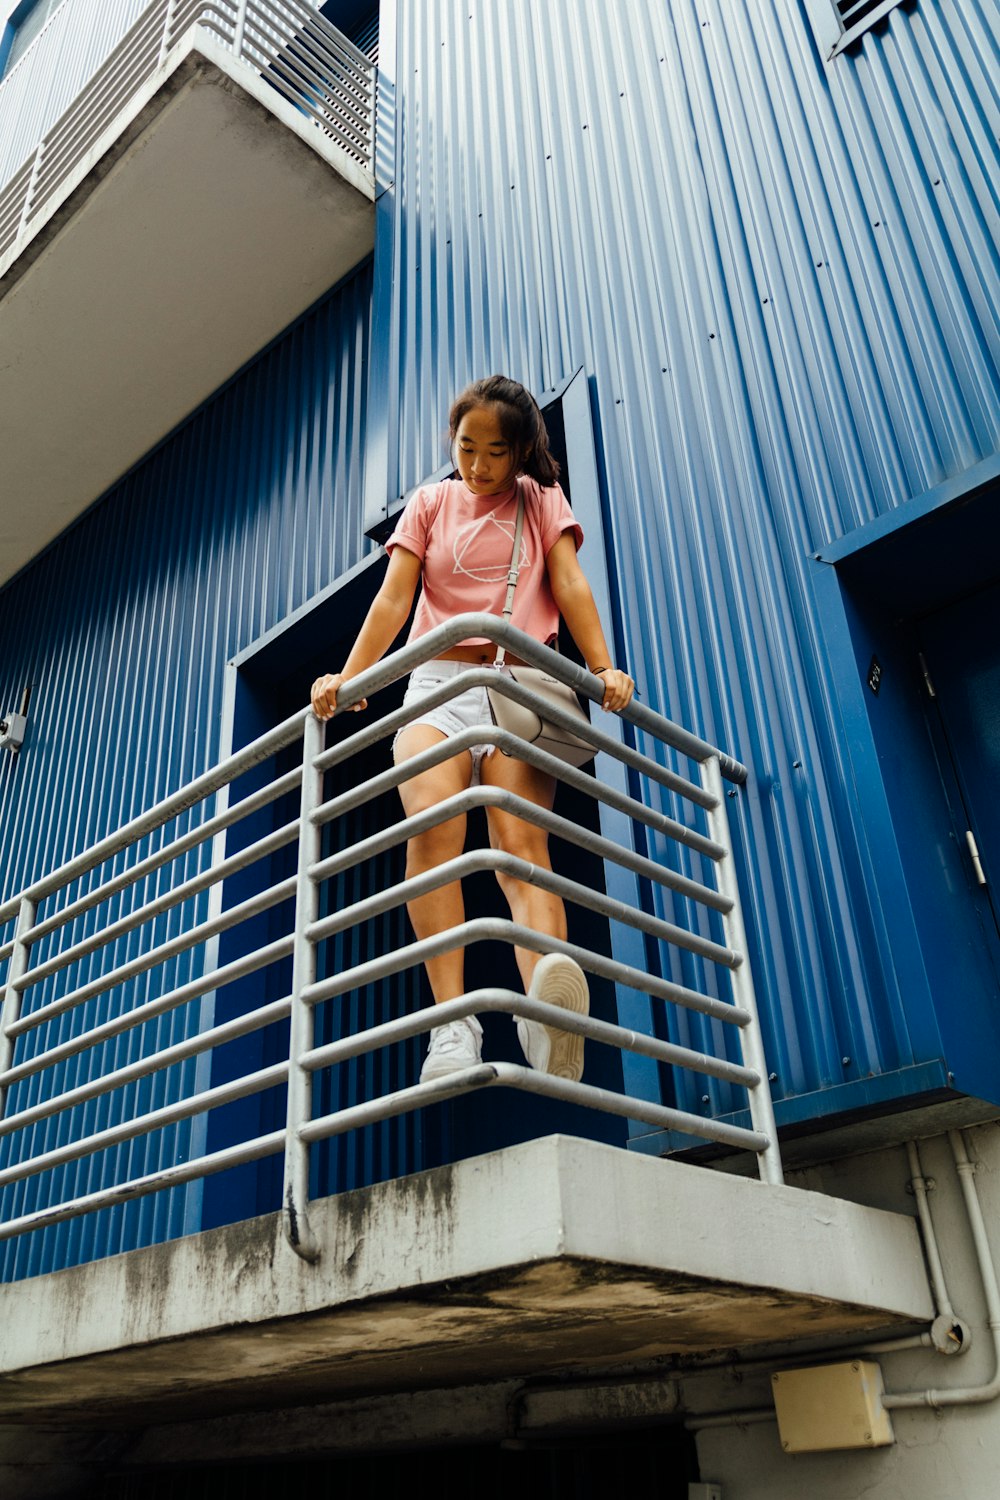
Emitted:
<point x="559" y="1253"/>
<point x="207" y="216"/>
<point x="196" y="51"/>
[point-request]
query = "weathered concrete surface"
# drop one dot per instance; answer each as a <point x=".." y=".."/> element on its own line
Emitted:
<point x="554" y="1255"/>
<point x="207" y="217"/>
<point x="952" y="1453"/>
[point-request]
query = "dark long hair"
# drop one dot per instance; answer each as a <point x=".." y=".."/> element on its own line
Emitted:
<point x="521" y="423"/>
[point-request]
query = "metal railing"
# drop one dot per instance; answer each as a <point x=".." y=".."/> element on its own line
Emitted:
<point x="286" y="42"/>
<point x="38" y="992"/>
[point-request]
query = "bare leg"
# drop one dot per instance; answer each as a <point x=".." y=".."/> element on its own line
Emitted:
<point x="444" y="907"/>
<point x="530" y="906"/>
<point x="558" y="980"/>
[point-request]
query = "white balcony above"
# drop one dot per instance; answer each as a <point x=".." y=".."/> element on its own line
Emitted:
<point x="210" y="182"/>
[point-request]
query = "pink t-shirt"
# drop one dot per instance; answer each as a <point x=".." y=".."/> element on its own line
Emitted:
<point x="464" y="542"/>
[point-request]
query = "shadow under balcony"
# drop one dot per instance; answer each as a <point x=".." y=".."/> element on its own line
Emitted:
<point x="210" y="183"/>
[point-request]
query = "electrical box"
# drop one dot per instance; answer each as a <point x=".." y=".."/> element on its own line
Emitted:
<point x="704" y="1492"/>
<point x="12" y="727"/>
<point x="827" y="1407"/>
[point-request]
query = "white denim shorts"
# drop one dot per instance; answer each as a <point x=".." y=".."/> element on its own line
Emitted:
<point x="458" y="713"/>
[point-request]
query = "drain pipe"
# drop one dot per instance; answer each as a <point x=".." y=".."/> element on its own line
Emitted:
<point x="948" y="1334"/>
<point x="978" y="1394"/>
<point x="920" y="1187"/>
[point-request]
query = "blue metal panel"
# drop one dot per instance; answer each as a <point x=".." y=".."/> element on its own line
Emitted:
<point x="782" y="276"/>
<point x="124" y="628"/>
<point x="358" y="20"/>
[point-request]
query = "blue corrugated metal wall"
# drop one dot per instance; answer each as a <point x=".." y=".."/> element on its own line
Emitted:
<point x="781" y="275"/>
<point x="124" y="628"/>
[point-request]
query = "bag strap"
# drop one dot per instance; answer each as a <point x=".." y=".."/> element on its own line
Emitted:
<point x="512" y="572"/>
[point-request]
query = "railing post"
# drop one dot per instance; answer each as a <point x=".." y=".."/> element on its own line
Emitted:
<point x="29" y="192"/>
<point x="11" y="1010"/>
<point x="168" y="23"/>
<point x="295" y="1197"/>
<point x="751" y="1041"/>
<point x="373" y="79"/>
<point x="240" y="28"/>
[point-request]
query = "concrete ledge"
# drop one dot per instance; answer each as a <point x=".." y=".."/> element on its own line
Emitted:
<point x="203" y="221"/>
<point x="552" y="1255"/>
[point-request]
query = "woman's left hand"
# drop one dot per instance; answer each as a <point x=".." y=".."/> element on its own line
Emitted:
<point x="618" y="689"/>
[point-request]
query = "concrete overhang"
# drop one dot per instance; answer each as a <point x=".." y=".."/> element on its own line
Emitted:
<point x="557" y="1255"/>
<point x="207" y="216"/>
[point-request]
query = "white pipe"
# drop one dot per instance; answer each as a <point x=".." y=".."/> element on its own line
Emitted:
<point x="919" y="1184"/>
<point x="732" y="1418"/>
<point x="977" y="1394"/>
<point x="894" y="1346"/>
<point x="804" y="1354"/>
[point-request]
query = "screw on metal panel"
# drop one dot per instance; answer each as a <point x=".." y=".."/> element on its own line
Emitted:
<point x="705" y="1099"/>
<point x="772" y="1077"/>
<point x="855" y="1365"/>
<point x="796" y="765"/>
<point x="731" y="792"/>
<point x="846" y="1062"/>
<point x="868" y="1437"/>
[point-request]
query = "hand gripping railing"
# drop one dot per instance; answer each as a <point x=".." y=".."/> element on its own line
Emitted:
<point x="286" y="42"/>
<point x="39" y="1063"/>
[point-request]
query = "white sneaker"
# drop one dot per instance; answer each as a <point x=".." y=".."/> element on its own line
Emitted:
<point x="453" y="1047"/>
<point x="557" y="980"/>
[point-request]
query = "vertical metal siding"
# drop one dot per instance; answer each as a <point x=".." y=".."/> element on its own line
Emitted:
<point x="45" y="81"/>
<point x="781" y="275"/>
<point x="124" y="628"/>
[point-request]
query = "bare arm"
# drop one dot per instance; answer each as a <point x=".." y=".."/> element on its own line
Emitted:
<point x="576" y="605"/>
<point x="385" y="619"/>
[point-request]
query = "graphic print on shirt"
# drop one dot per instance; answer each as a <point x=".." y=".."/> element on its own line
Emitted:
<point x="479" y="553"/>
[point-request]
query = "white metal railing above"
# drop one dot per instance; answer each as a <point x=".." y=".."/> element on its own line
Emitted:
<point x="286" y="42"/>
<point x="40" y="1034"/>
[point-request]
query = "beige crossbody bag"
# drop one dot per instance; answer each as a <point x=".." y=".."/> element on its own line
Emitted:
<point x="524" y="722"/>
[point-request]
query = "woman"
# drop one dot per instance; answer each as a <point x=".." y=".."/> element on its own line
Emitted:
<point x="455" y="539"/>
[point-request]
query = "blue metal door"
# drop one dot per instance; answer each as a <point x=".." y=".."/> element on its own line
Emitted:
<point x="961" y="656"/>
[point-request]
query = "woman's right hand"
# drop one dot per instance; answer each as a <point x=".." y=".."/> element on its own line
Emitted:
<point x="324" y="696"/>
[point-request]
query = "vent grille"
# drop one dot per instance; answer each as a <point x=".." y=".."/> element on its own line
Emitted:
<point x="858" y="16"/>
